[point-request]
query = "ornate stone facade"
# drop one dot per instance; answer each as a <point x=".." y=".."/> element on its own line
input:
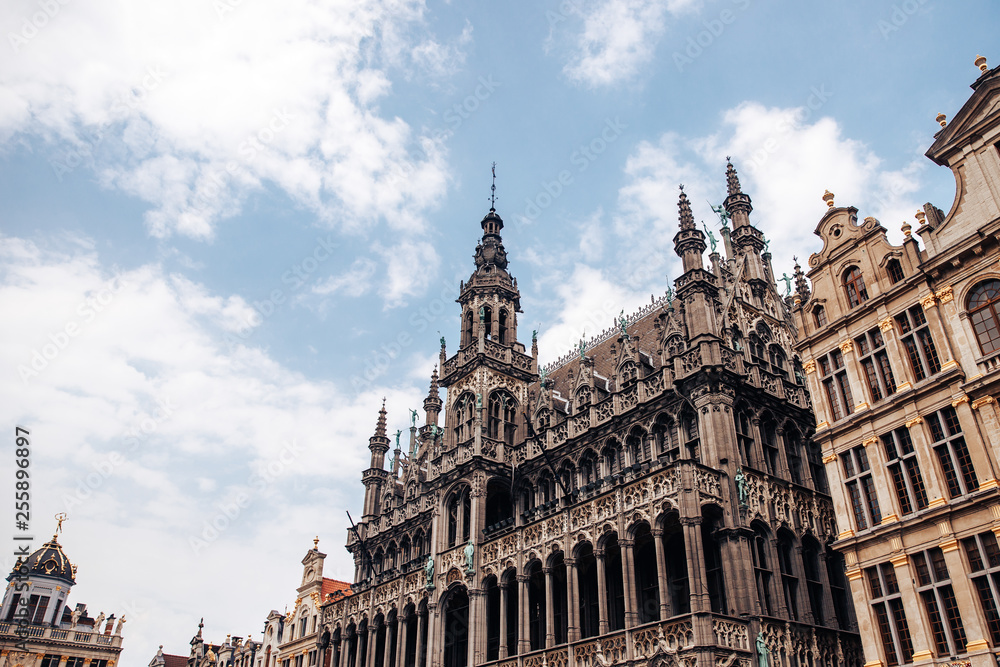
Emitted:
<point x="903" y="362"/>
<point x="655" y="497"/>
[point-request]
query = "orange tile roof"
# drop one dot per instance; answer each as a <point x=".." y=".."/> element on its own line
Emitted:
<point x="334" y="586"/>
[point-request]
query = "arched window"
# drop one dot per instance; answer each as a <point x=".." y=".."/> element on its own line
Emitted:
<point x="777" y="359"/>
<point x="614" y="583"/>
<point x="817" y="469"/>
<point x="513" y="610"/>
<point x="567" y="478"/>
<point x="646" y="579"/>
<point x="819" y="316"/>
<point x="459" y="509"/>
<point x="536" y="606"/>
<point x="894" y="270"/>
<point x="762" y="569"/>
<point x="789" y="582"/>
<point x="502" y="327"/>
<point x="418" y="544"/>
<point x="611" y="455"/>
<point x="467" y="336"/>
<point x="501" y="423"/>
<point x="758" y="354"/>
<point x="465" y="415"/>
<point x="589" y="469"/>
<point x="665" y="436"/>
<point x="769" y="443"/>
<point x="499" y="510"/>
<point x="744" y="436"/>
<point x="456" y="629"/>
<point x="691" y="439"/>
<point x="710" y="523"/>
<point x="638" y="446"/>
<point x="984" y="310"/>
<point x="560" y="616"/>
<point x="793" y="454"/>
<point x="379" y="648"/>
<point x="492" y="618"/>
<point x="814" y="583"/>
<point x="854" y="285"/>
<point x="586" y="567"/>
<point x="546" y="492"/>
<point x="404" y="551"/>
<point x="487" y="322"/>
<point x="678" y="595"/>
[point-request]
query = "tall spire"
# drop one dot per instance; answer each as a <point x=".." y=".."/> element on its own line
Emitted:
<point x="737" y="204"/>
<point x="801" y="286"/>
<point x="432" y="404"/>
<point x="380" y="426"/>
<point x="686" y="217"/>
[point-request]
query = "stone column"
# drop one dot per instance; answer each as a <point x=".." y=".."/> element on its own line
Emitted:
<point x="503" y="619"/>
<point x="550" y="626"/>
<point x="372" y="639"/>
<point x="862" y="609"/>
<point x="661" y="574"/>
<point x="477" y="626"/>
<point x="798" y="569"/>
<point x="965" y="594"/>
<point x="572" y="605"/>
<point x="523" y="635"/>
<point x="631" y="597"/>
<point x="421" y="655"/>
<point x="919" y="631"/>
<point x="602" y="592"/>
<point x="695" y="563"/>
<point x="401" y="639"/>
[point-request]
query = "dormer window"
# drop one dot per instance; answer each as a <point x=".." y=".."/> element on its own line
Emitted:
<point x="894" y="270"/>
<point x="819" y="315"/>
<point x="854" y="285"/>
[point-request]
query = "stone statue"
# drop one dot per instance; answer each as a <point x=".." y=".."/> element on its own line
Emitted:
<point x="766" y="243"/>
<point x="479" y="401"/>
<point x="429" y="571"/>
<point x="600" y="659"/>
<point x="534" y="335"/>
<point x="582" y="347"/>
<point x="762" y="651"/>
<point x="99" y="622"/>
<point x="442" y="341"/>
<point x="482" y="314"/>
<point x="721" y="212"/>
<point x="788" y="283"/>
<point x="398" y="433"/>
<point x="670" y="296"/>
<point x="413" y="418"/>
<point x="211" y="655"/>
<point x="622" y="322"/>
<point x="121" y="622"/>
<point x="74" y="617"/>
<point x="741" y="486"/>
<point x="470" y="550"/>
<point x="711" y="237"/>
<point x="661" y="643"/>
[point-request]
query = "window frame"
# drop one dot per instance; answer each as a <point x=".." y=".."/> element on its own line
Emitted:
<point x="915" y="336"/>
<point x="885" y="597"/>
<point x="861" y="493"/>
<point x="904" y="471"/>
<point x="934" y="589"/>
<point x="854" y="286"/>
<point x="952" y="451"/>
<point x="990" y="307"/>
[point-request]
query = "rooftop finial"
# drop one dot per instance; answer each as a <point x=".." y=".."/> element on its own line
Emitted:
<point x="732" y="180"/>
<point x="493" y="189"/>
<point x="686" y="217"/>
<point x="981" y="63"/>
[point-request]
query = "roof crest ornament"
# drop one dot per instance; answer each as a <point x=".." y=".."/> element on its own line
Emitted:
<point x="493" y="189"/>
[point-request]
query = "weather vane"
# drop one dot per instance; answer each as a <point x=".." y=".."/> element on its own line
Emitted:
<point x="493" y="189"/>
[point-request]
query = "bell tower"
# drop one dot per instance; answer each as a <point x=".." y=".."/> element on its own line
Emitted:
<point x="487" y="379"/>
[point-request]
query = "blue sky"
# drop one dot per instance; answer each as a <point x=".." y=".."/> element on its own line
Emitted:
<point x="229" y="228"/>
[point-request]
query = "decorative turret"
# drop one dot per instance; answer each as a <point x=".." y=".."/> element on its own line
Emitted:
<point x="801" y="285"/>
<point x="373" y="477"/>
<point x="689" y="242"/>
<point x="432" y="404"/>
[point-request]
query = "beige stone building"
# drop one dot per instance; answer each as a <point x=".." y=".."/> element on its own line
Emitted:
<point x="901" y="349"/>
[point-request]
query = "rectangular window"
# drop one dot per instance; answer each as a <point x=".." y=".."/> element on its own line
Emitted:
<point x="938" y="597"/>
<point x="952" y="452"/>
<point x="875" y="363"/>
<point x="861" y="488"/>
<point x="887" y="604"/>
<point x="835" y="384"/>
<point x="985" y="575"/>
<point x="51" y="660"/>
<point x="916" y="338"/>
<point x="904" y="470"/>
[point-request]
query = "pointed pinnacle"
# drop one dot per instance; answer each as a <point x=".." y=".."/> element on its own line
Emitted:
<point x="434" y="384"/>
<point x="732" y="180"/>
<point x="380" y="426"/>
<point x="686" y="217"/>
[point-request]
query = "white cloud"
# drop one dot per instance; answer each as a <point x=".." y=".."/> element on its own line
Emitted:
<point x="410" y="266"/>
<point x="618" y="37"/>
<point x="149" y="418"/>
<point x="193" y="110"/>
<point x="354" y="282"/>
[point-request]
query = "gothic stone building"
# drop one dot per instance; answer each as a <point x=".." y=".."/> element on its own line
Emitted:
<point x="654" y="498"/>
<point x="903" y="361"/>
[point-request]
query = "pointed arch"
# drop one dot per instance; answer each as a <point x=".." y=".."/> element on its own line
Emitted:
<point x="502" y="326"/>
<point x="586" y="568"/>
<point x="501" y="422"/>
<point x="665" y="437"/>
<point x="456" y="627"/>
